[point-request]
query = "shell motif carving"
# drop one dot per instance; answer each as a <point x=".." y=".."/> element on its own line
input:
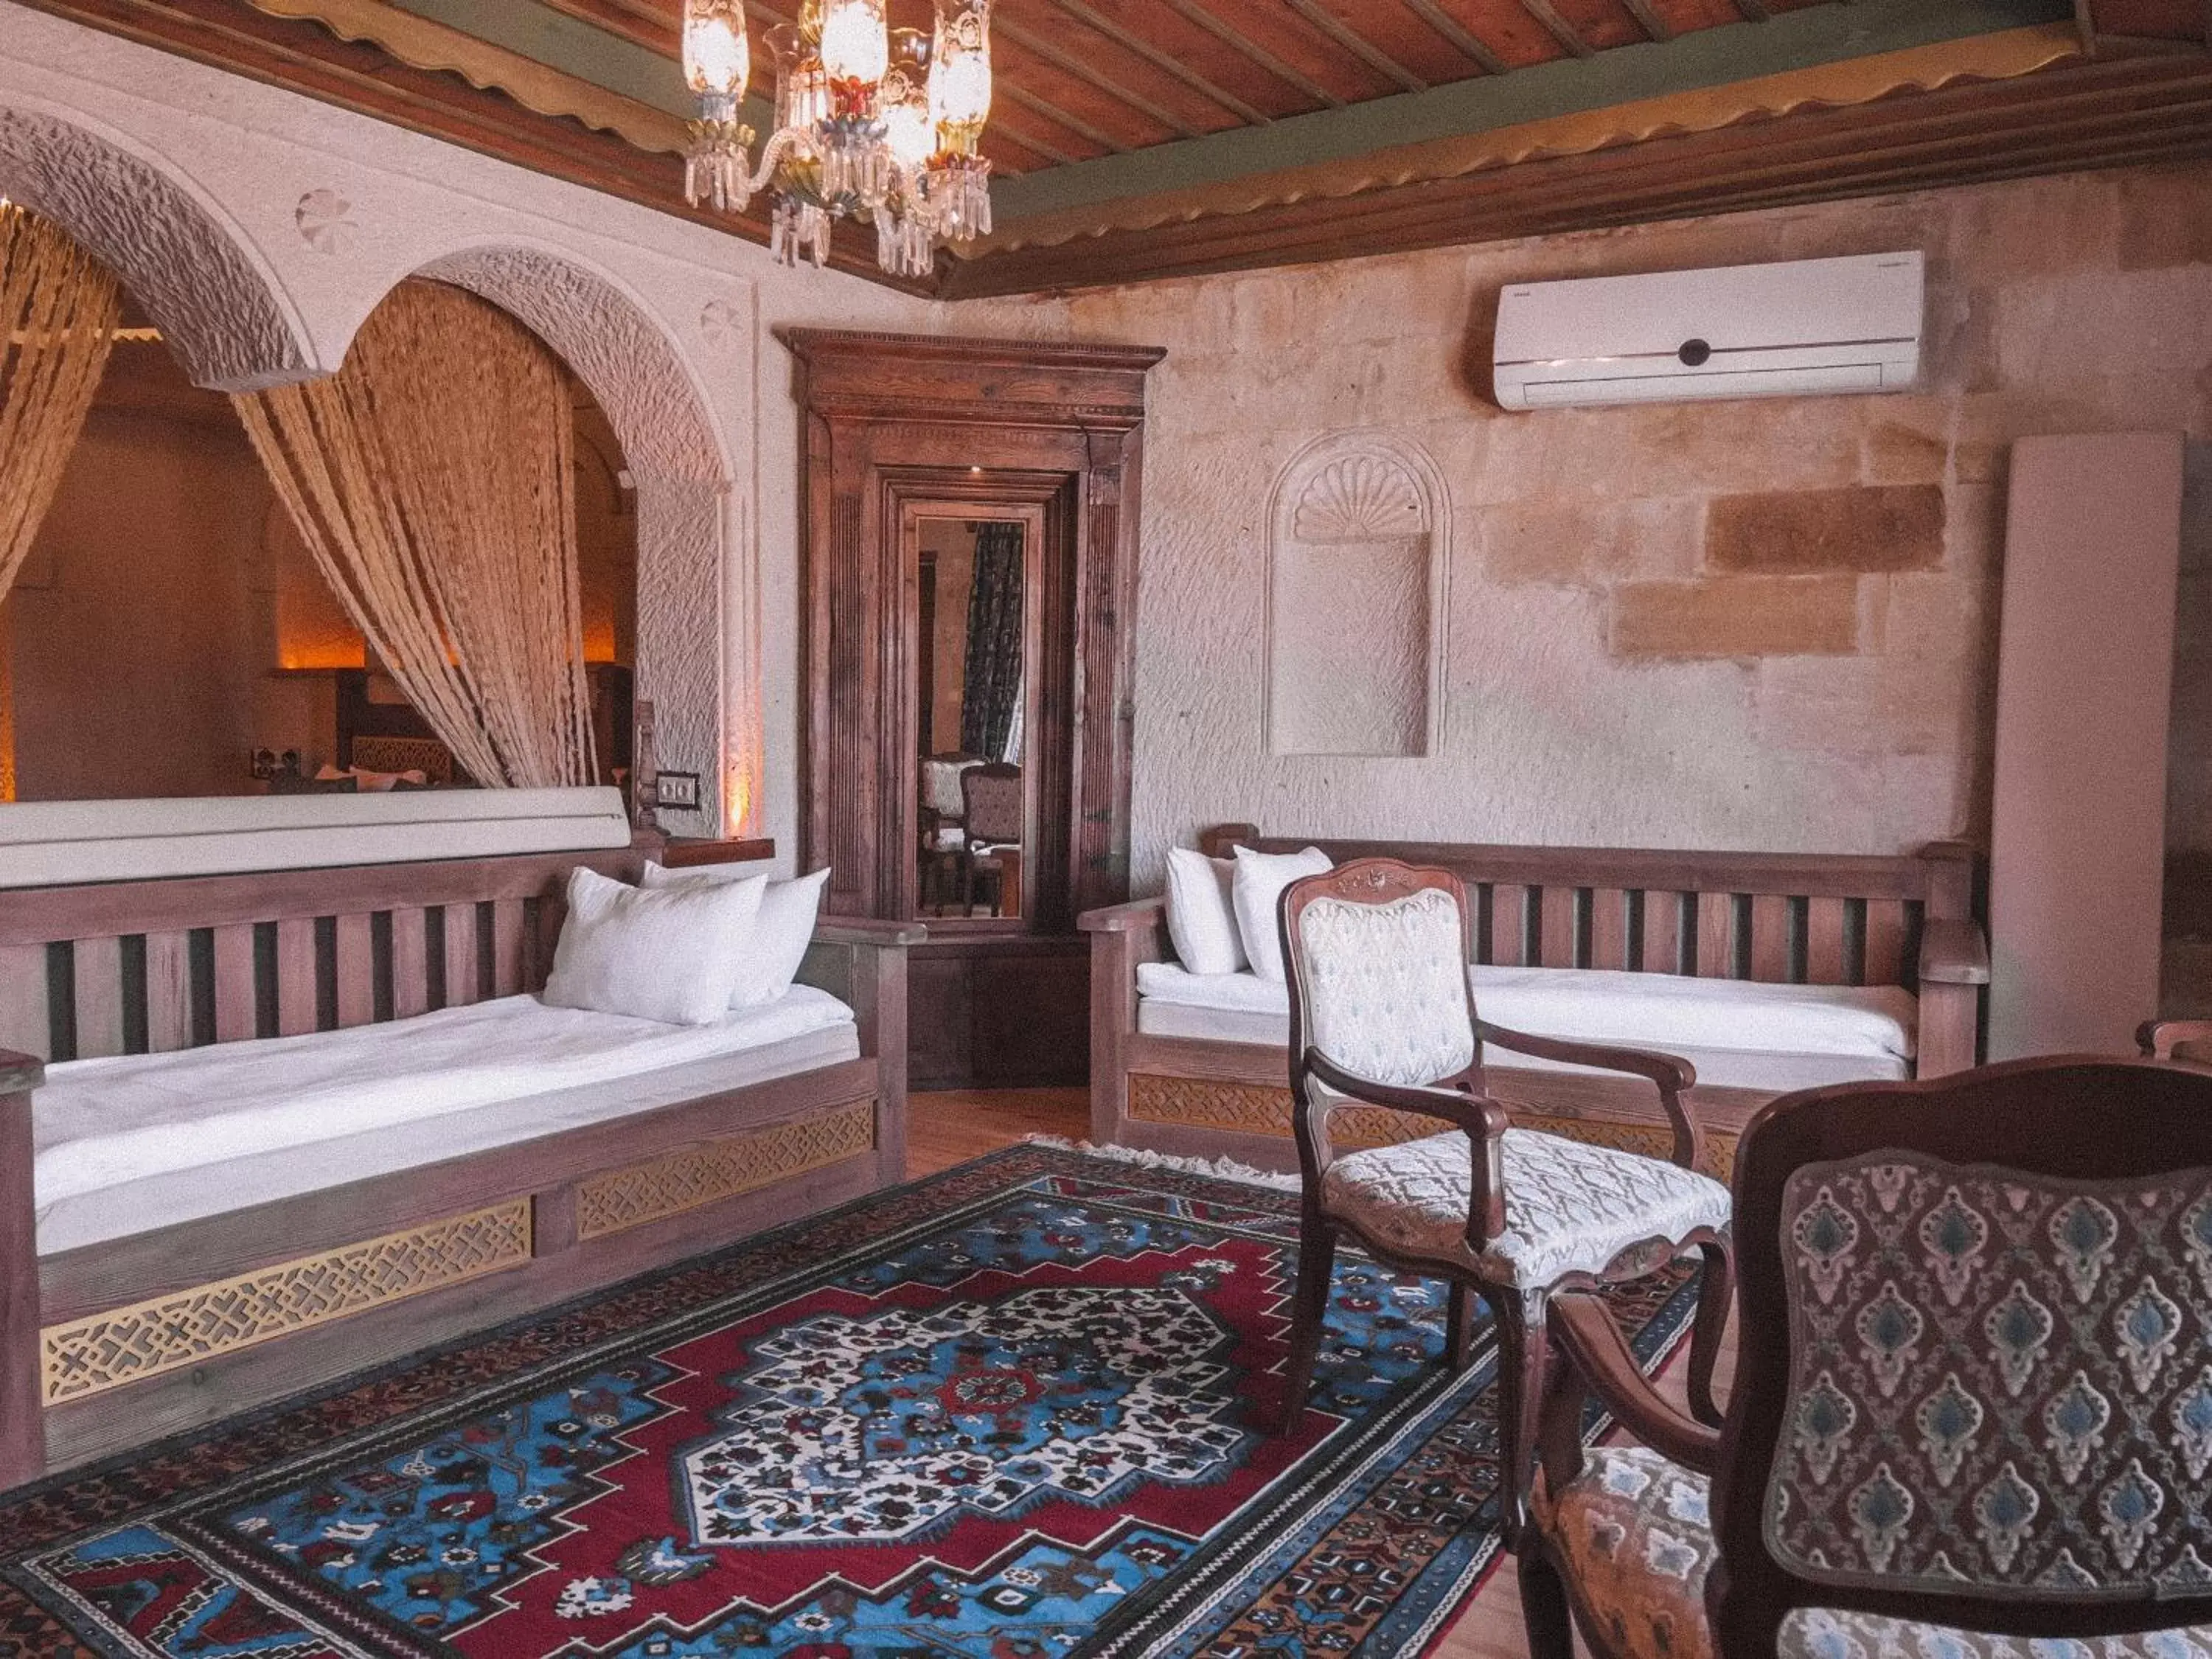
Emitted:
<point x="1360" y="498"/>
<point x="325" y="221"/>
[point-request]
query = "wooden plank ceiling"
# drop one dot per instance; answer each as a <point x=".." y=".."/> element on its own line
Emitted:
<point x="1141" y="138"/>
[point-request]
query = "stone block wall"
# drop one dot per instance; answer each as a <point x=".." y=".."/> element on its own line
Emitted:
<point x="1754" y="624"/>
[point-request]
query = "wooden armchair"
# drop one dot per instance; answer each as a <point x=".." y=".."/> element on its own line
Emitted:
<point x="1972" y="1405"/>
<point x="1381" y="1015"/>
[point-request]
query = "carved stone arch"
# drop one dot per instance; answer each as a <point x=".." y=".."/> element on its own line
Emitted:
<point x="675" y="455"/>
<point x="1358" y="554"/>
<point x="224" y="316"/>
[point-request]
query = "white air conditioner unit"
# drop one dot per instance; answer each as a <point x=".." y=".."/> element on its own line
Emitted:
<point x="1781" y="330"/>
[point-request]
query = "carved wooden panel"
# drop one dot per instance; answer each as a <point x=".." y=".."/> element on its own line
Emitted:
<point x="125" y="1345"/>
<point x="697" y="1175"/>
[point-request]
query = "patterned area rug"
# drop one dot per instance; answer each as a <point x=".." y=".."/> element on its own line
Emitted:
<point x="1020" y="1410"/>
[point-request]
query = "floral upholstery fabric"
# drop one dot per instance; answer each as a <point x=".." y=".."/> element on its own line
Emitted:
<point x="1996" y="1381"/>
<point x="1386" y="986"/>
<point x="1634" y="1536"/>
<point x="1570" y="1206"/>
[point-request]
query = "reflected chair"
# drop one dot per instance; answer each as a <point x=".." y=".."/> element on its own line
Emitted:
<point x="1972" y="1405"/>
<point x="994" y="813"/>
<point x="939" y="820"/>
<point x="1383" y="1015"/>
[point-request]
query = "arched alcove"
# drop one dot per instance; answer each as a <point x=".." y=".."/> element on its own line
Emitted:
<point x="229" y="323"/>
<point x="675" y="454"/>
<point x="1357" y="561"/>
<point x="234" y="328"/>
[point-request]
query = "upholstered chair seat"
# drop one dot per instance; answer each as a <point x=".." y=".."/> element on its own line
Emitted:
<point x="1634" y="1533"/>
<point x="1570" y="1208"/>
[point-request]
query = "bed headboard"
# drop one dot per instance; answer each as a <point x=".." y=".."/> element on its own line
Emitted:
<point x="131" y="966"/>
<point x="1791" y="918"/>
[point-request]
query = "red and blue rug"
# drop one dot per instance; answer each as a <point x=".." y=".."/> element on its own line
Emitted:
<point x="1020" y="1410"/>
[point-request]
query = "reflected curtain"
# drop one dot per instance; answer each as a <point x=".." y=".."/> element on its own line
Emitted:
<point x="59" y="306"/>
<point x="432" y="479"/>
<point x="993" y="691"/>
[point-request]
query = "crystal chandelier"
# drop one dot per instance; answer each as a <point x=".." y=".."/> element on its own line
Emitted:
<point x="871" y="123"/>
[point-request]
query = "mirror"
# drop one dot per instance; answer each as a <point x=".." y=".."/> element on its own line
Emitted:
<point x="975" y="640"/>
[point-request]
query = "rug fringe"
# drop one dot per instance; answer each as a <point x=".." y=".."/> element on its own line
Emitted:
<point x="1222" y="1169"/>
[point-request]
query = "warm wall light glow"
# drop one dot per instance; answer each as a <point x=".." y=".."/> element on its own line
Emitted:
<point x="717" y="55"/>
<point x="855" y="41"/>
<point x="737" y="798"/>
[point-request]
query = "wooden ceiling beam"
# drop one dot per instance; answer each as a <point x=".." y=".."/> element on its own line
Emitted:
<point x="1358" y="46"/>
<point x="1559" y="28"/>
<point x="1181" y="71"/>
<point x="2150" y="112"/>
<point x="1191" y="12"/>
<point x="1466" y="42"/>
<point x="1069" y="64"/>
<point x="1649" y="20"/>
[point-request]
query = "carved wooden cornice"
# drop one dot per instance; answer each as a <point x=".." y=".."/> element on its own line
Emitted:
<point x="423" y="43"/>
<point x="1852" y="82"/>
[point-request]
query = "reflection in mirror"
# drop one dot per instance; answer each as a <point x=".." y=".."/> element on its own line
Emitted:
<point x="972" y="636"/>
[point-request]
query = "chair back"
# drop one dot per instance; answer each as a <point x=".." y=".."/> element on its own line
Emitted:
<point x="1376" y="953"/>
<point x="1974" y="1386"/>
<point x="990" y="798"/>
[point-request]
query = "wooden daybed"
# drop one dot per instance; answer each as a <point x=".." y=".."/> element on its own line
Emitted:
<point x="1806" y="920"/>
<point x="111" y="1343"/>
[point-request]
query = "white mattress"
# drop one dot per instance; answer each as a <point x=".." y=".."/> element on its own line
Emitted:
<point x="1738" y="1033"/>
<point x="139" y="1141"/>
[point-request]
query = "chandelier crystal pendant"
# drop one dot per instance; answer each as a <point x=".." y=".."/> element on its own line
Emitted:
<point x="870" y="123"/>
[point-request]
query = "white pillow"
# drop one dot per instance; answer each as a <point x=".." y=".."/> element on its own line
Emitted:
<point x="1201" y="921"/>
<point x="780" y="934"/>
<point x="671" y="956"/>
<point x="1261" y="879"/>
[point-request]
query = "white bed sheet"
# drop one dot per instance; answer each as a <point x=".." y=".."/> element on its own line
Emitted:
<point x="135" y="1142"/>
<point x="1731" y="1068"/>
<point x="1738" y="1033"/>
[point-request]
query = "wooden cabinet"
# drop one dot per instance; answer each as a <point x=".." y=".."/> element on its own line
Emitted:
<point x="1049" y="435"/>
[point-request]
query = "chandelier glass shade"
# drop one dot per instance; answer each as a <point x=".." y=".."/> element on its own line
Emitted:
<point x="871" y="123"/>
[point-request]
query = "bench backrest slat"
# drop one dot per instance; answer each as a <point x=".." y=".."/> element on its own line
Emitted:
<point x="1784" y="918"/>
<point x="140" y="966"/>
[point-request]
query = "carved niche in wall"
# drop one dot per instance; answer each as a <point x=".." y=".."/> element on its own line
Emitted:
<point x="1357" y="562"/>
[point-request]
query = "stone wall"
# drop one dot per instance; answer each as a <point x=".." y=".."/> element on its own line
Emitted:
<point x="1734" y="625"/>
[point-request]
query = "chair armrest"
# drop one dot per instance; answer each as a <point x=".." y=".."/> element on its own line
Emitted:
<point x="1952" y="952"/>
<point x="1139" y="915"/>
<point x="1479" y="1116"/>
<point x="1482" y="1119"/>
<point x="1665" y="1070"/>
<point x="2159" y="1038"/>
<point x="1671" y="1075"/>
<point x="1586" y="1332"/>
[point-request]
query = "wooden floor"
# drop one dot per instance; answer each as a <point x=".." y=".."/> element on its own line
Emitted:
<point x="952" y="1125"/>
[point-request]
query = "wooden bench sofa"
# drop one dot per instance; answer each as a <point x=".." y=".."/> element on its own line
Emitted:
<point x="117" y="1342"/>
<point x="1802" y="919"/>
